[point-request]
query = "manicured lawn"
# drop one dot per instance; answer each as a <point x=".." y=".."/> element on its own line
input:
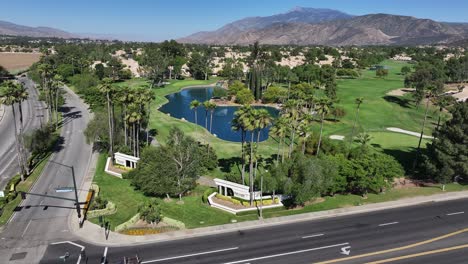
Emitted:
<point x="192" y="212"/>
<point x="402" y="147"/>
<point x="22" y="186"/>
<point x="379" y="110"/>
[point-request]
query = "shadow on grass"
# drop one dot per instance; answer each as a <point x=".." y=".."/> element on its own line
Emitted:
<point x="225" y="165"/>
<point x="403" y="102"/>
<point x="405" y="158"/>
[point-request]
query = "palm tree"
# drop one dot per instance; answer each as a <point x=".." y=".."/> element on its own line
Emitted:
<point x="106" y="88"/>
<point x="292" y="114"/>
<point x="194" y="105"/>
<point x="211" y="107"/>
<point x="46" y="72"/>
<point x="358" y="101"/>
<point x="206" y="104"/>
<point x="125" y="97"/>
<point x="148" y="98"/>
<point x="262" y="120"/>
<point x="13" y="94"/>
<point x="238" y="124"/>
<point x="429" y="93"/>
<point x="250" y="123"/>
<point x="55" y="86"/>
<point x="324" y="105"/>
<point x="305" y="130"/>
<point x="279" y="130"/>
<point x="363" y="139"/>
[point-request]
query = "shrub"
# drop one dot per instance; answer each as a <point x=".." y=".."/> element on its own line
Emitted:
<point x="274" y="94"/>
<point x="207" y="193"/>
<point x="219" y="92"/>
<point x="244" y="96"/>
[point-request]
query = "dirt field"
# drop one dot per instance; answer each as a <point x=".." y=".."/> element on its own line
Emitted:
<point x="18" y="61"/>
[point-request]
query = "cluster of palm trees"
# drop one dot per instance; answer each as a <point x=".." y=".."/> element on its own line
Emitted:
<point x="209" y="108"/>
<point x="51" y="85"/>
<point x="296" y="122"/>
<point x="248" y="119"/>
<point x="135" y="105"/>
<point x="13" y="94"/>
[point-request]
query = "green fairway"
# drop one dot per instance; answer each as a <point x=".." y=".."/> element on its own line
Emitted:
<point x="379" y="110"/>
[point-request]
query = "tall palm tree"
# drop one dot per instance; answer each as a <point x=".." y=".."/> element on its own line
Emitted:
<point x="250" y="123"/>
<point x="194" y="105"/>
<point x="262" y="120"/>
<point x="206" y="105"/>
<point x="430" y="93"/>
<point x="125" y="97"/>
<point x="21" y="94"/>
<point x="106" y="88"/>
<point x="323" y="108"/>
<point x="279" y="130"/>
<point x="149" y="97"/>
<point x="238" y="124"/>
<point x="292" y="114"/>
<point x="211" y="107"/>
<point x="305" y="130"/>
<point x="358" y="101"/>
<point x="46" y="72"/>
<point x="14" y="93"/>
<point x="55" y="89"/>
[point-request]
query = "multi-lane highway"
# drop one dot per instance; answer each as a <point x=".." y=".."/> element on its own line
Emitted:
<point x="42" y="220"/>
<point x="429" y="233"/>
<point x="34" y="114"/>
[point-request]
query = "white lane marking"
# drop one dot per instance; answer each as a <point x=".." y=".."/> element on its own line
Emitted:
<point x="104" y="257"/>
<point x="287" y="253"/>
<point x="386" y="224"/>
<point x="190" y="255"/>
<point x="310" y="236"/>
<point x="26" y="229"/>
<point x="456" y="213"/>
<point x="74" y="244"/>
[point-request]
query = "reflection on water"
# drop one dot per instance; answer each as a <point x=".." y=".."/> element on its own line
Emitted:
<point x="179" y="107"/>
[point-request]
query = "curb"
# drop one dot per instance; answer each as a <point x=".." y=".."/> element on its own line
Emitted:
<point x="120" y="240"/>
<point x="2" y="112"/>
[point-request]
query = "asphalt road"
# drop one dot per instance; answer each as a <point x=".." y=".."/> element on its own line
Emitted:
<point x="316" y="241"/>
<point x="34" y="114"/>
<point x="42" y="220"/>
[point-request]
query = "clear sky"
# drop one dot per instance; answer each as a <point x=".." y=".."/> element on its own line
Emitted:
<point x="158" y="20"/>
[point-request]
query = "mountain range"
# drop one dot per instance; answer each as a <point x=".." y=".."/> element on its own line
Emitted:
<point x="311" y="26"/>
<point x="7" y="28"/>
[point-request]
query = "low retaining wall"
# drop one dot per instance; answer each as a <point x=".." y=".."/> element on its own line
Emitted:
<point x="110" y="209"/>
<point x="106" y="169"/>
<point x="235" y="211"/>
<point x="135" y="218"/>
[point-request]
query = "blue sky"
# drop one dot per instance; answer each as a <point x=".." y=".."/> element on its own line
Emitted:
<point x="159" y="20"/>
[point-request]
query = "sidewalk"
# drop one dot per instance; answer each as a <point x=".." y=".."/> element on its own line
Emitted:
<point x="95" y="234"/>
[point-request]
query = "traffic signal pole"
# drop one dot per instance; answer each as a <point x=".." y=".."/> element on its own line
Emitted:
<point x="78" y="208"/>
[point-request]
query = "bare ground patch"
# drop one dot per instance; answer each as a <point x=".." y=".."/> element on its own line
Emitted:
<point x="400" y="91"/>
<point x="18" y="61"/>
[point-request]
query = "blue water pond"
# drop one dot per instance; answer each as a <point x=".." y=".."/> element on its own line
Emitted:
<point x="179" y="107"/>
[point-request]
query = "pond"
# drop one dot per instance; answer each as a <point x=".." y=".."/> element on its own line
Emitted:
<point x="179" y="107"/>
